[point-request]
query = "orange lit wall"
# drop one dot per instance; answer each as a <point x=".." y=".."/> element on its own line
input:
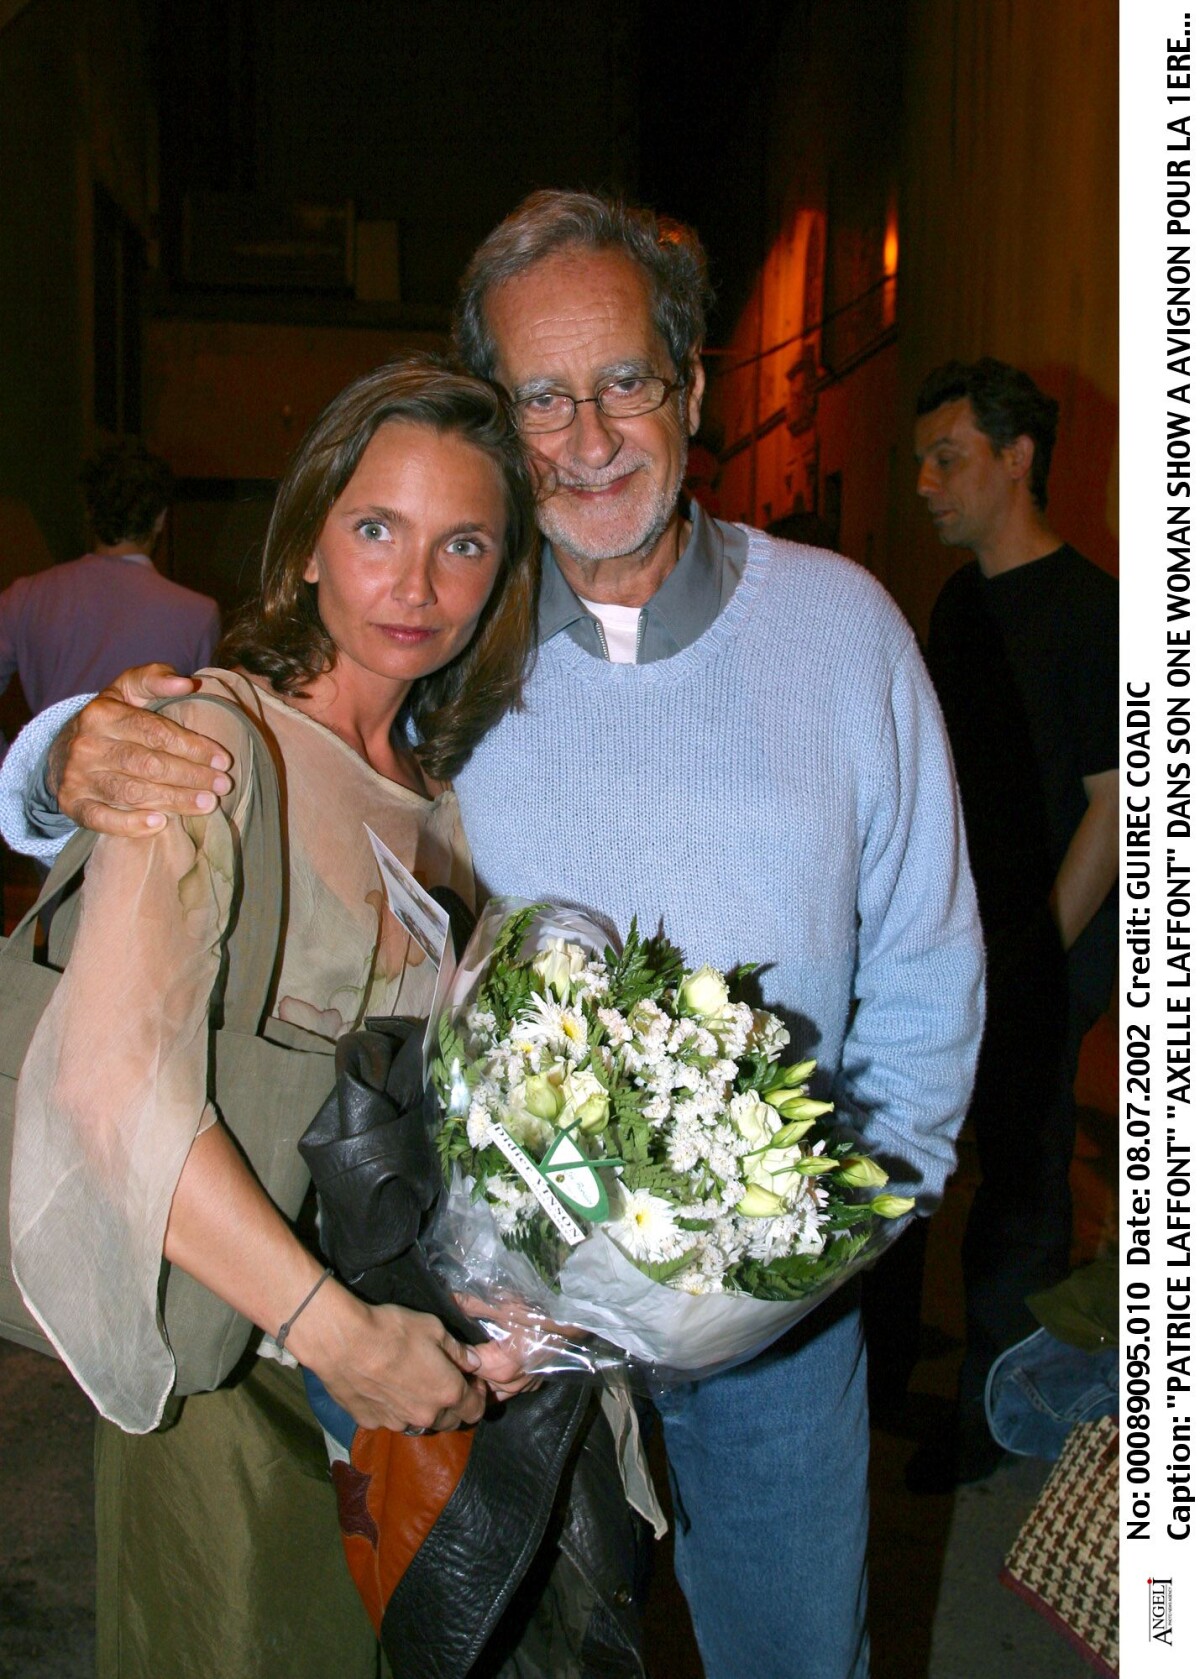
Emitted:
<point x="1009" y="242"/>
<point x="804" y="424"/>
<point x="776" y="471"/>
<point x="975" y="158"/>
<point x="749" y="384"/>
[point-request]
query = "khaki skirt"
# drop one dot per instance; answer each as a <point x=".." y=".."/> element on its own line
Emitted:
<point x="218" y="1549"/>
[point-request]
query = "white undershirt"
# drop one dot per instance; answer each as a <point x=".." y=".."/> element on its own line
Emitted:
<point x="620" y="626"/>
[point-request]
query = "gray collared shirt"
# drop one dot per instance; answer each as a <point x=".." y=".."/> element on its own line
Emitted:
<point x="689" y="600"/>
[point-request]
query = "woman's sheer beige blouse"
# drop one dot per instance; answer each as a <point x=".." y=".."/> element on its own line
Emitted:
<point x="114" y="1087"/>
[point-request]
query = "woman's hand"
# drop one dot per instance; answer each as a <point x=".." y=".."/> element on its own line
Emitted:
<point x="502" y="1365"/>
<point x="401" y="1369"/>
<point x="390" y="1367"/>
<point x="526" y="1345"/>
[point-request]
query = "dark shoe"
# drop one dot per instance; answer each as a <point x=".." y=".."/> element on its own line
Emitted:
<point x="969" y="1454"/>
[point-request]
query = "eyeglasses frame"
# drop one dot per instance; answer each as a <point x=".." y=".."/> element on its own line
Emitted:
<point x="577" y="402"/>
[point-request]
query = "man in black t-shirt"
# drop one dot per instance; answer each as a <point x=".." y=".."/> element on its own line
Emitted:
<point x="1023" y="652"/>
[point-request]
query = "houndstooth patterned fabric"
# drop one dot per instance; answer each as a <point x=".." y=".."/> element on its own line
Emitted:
<point x="1065" y="1561"/>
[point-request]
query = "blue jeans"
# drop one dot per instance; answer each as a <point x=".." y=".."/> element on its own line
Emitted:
<point x="768" y="1470"/>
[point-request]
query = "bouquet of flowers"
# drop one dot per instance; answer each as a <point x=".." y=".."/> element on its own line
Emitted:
<point x="626" y="1151"/>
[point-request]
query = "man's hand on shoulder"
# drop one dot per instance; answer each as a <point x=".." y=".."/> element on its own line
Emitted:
<point x="120" y="769"/>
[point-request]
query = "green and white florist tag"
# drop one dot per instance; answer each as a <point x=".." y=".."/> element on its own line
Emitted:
<point x="574" y="1178"/>
<point x="530" y="1174"/>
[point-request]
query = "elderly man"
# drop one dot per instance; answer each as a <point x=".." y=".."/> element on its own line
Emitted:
<point x="1023" y="653"/>
<point x="735" y="736"/>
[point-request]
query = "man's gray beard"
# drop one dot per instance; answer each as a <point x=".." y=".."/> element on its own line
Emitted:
<point x="588" y="561"/>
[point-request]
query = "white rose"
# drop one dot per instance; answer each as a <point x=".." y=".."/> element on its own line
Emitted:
<point x="532" y="1133"/>
<point x="765" y="1167"/>
<point x="861" y="1172"/>
<point x="542" y="1098"/>
<point x="753" y="1118"/>
<point x="773" y="1169"/>
<point x="704" y="994"/>
<point x="892" y="1206"/>
<point x="586" y="1100"/>
<point x="558" y="965"/>
<point x="758" y="1202"/>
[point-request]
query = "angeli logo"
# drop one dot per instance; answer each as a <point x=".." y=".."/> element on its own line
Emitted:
<point x="1160" y="1609"/>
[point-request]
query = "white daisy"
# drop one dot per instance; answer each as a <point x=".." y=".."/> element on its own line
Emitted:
<point x="478" y="1119"/>
<point x="511" y="1203"/>
<point x="697" y="1281"/>
<point x="563" y="1030"/>
<point x="735" y="1029"/>
<point x="592" y="983"/>
<point x="686" y="1146"/>
<point x="646" y="1229"/>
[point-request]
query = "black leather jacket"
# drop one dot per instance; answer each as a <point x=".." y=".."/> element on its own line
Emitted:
<point x="539" y="1511"/>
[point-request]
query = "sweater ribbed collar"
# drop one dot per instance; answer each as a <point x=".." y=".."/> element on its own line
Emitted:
<point x="569" y="656"/>
<point x="692" y="596"/>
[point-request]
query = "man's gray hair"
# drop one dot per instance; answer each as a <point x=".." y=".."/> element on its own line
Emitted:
<point x="668" y="251"/>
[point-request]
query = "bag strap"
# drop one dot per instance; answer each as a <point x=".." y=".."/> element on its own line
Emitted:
<point x="253" y="943"/>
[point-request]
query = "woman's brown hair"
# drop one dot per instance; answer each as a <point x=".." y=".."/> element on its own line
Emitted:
<point x="280" y="635"/>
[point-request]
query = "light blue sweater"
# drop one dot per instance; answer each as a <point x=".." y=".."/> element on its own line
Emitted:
<point x="779" y="792"/>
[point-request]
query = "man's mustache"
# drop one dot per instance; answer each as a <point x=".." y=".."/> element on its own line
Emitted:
<point x="559" y="480"/>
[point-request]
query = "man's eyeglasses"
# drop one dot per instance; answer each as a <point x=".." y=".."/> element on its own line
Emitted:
<point x="620" y="399"/>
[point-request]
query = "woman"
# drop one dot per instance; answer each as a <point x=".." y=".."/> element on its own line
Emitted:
<point x="399" y="578"/>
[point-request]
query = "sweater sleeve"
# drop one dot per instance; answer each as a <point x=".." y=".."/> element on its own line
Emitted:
<point x="908" y="1061"/>
<point x="30" y="820"/>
